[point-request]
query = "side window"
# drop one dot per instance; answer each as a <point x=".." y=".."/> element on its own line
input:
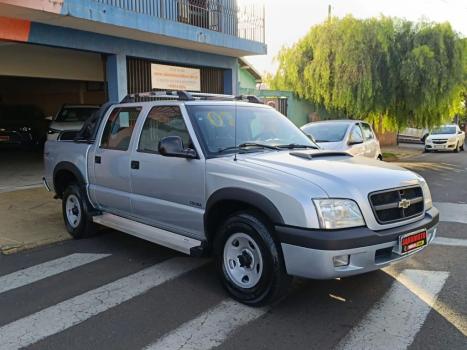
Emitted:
<point x="119" y="128"/>
<point x="163" y="121"/>
<point x="367" y="132"/>
<point x="356" y="134"/>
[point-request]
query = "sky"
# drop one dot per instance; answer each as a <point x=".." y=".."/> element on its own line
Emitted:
<point x="289" y="20"/>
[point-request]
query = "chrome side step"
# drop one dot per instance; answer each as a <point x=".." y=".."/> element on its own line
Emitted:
<point x="156" y="235"/>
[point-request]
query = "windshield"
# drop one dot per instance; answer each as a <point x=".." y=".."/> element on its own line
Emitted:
<point x="445" y="130"/>
<point x="255" y="125"/>
<point x="327" y="132"/>
<point x="75" y="114"/>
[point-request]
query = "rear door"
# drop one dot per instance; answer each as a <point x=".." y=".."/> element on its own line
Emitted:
<point x="110" y="182"/>
<point x="168" y="192"/>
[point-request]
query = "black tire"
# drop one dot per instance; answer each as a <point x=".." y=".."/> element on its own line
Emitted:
<point x="273" y="283"/>
<point x="380" y="157"/>
<point x="426" y="150"/>
<point x="462" y="147"/>
<point x="83" y="227"/>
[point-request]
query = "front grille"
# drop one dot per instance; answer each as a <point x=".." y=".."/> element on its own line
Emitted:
<point x="440" y="142"/>
<point x="397" y="204"/>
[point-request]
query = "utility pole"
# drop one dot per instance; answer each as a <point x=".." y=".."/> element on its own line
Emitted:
<point x="329" y="12"/>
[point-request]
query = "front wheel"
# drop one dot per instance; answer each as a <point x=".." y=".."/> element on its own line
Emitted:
<point x="456" y="150"/>
<point x="249" y="261"/>
<point x="76" y="213"/>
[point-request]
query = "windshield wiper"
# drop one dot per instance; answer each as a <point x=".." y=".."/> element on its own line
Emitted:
<point x="295" y="145"/>
<point x="249" y="144"/>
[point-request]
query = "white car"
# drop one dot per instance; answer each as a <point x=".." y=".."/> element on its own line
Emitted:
<point x="445" y="138"/>
<point x="70" y="118"/>
<point x="352" y="136"/>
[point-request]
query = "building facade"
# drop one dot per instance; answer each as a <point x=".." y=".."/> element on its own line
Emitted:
<point x="89" y="51"/>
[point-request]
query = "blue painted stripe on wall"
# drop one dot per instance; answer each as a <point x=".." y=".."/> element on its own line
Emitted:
<point x="45" y="34"/>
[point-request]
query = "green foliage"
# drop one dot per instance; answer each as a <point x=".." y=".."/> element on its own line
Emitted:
<point x="400" y="71"/>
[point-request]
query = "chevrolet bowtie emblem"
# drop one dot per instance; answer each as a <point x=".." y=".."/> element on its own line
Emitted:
<point x="404" y="203"/>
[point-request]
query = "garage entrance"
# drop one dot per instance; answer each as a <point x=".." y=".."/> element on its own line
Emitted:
<point x="35" y="82"/>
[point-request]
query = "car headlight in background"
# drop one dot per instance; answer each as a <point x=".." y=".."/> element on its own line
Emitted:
<point x="338" y="213"/>
<point x="426" y="194"/>
<point x="52" y="131"/>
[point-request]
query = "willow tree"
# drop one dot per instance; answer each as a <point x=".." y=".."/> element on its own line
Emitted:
<point x="404" y="72"/>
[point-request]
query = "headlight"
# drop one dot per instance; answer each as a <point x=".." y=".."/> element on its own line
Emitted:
<point x="426" y="194"/>
<point x="338" y="213"/>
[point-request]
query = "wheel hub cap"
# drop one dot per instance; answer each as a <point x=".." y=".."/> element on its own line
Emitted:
<point x="73" y="211"/>
<point x="243" y="261"/>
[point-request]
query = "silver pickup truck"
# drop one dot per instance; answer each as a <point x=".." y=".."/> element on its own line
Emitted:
<point x="213" y="175"/>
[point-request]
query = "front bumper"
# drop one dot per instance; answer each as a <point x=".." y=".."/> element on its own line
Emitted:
<point x="447" y="146"/>
<point x="311" y="253"/>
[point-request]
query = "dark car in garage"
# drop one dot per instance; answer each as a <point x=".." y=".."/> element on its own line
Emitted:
<point x="22" y="126"/>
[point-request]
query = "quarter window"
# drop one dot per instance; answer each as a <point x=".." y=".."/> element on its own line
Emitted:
<point x="163" y="121"/>
<point x="367" y="132"/>
<point x="119" y="128"/>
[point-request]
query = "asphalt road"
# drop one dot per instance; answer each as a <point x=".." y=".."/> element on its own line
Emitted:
<point x="118" y="292"/>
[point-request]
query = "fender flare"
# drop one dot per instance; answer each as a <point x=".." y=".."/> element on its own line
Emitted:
<point x="70" y="167"/>
<point x="252" y="198"/>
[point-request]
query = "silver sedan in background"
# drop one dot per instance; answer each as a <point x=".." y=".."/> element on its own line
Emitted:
<point x="352" y="136"/>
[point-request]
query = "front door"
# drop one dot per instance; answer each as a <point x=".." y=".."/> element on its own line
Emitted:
<point x="111" y="181"/>
<point x="168" y="192"/>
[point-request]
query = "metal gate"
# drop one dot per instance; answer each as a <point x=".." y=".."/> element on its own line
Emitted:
<point x="139" y="76"/>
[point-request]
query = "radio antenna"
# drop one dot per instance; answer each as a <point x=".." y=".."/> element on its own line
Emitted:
<point x="235" y="132"/>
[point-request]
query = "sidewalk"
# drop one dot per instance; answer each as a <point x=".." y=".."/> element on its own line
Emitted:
<point x="29" y="218"/>
<point x="396" y="153"/>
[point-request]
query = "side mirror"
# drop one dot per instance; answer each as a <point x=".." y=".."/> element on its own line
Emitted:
<point x="459" y="132"/>
<point x="172" y="146"/>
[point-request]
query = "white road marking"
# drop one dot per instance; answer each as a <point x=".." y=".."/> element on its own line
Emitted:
<point x="50" y="268"/>
<point x="452" y="212"/>
<point x="71" y="312"/>
<point x="455" y="242"/>
<point x="210" y="329"/>
<point x="396" y="319"/>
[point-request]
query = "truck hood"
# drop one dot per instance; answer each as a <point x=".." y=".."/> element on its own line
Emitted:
<point x="337" y="174"/>
<point x="332" y="146"/>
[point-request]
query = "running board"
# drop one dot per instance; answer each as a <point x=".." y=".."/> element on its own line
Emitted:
<point x="149" y="233"/>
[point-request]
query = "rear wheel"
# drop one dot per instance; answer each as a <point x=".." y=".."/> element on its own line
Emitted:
<point x="76" y="213"/>
<point x="249" y="261"/>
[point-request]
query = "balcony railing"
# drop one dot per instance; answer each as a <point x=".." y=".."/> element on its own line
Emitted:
<point x="245" y="21"/>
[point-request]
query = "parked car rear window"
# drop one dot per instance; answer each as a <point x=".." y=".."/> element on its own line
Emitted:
<point x="162" y="121"/>
<point x="119" y="128"/>
<point x="75" y="114"/>
<point x="327" y="132"/>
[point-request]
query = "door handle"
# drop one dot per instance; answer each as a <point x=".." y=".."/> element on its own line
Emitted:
<point x="97" y="159"/>
<point x="134" y="164"/>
